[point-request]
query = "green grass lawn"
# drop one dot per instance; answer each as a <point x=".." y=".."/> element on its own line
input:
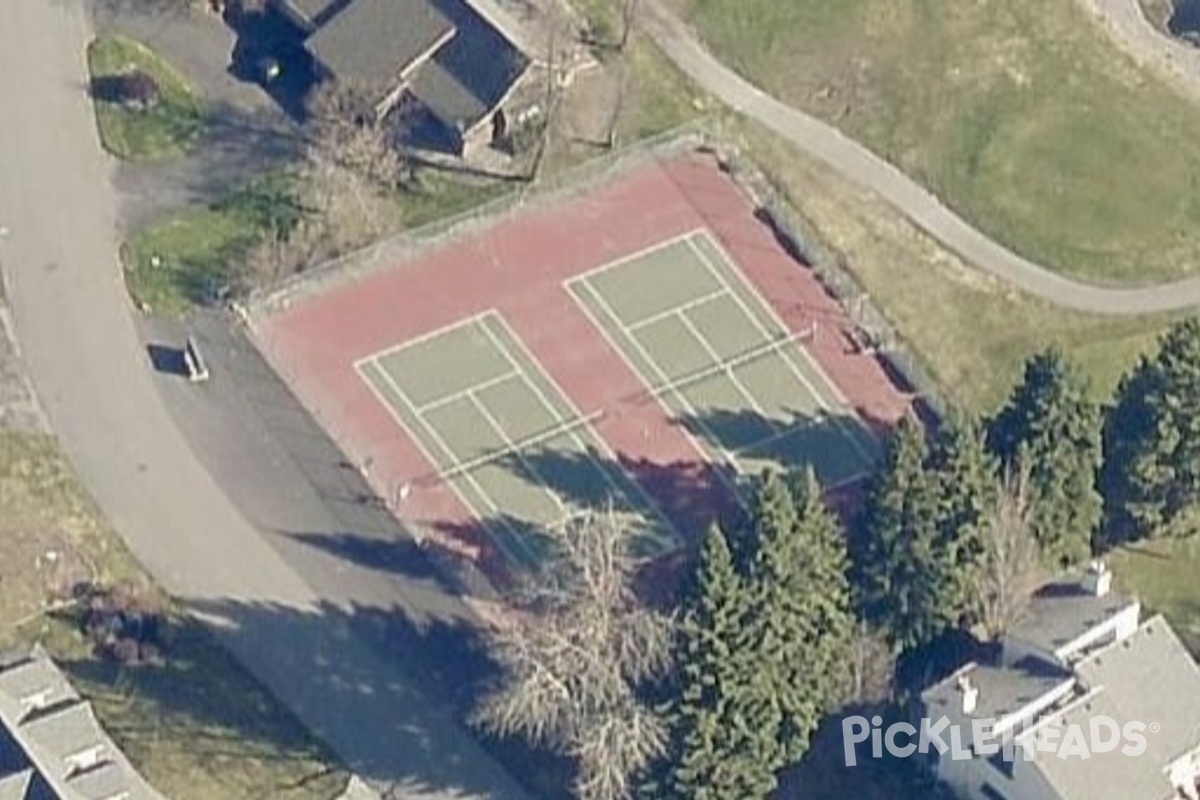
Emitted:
<point x="1021" y="114"/>
<point x="971" y="331"/>
<point x="175" y="264"/>
<point x="1162" y="574"/>
<point x="198" y="727"/>
<point x="170" y="128"/>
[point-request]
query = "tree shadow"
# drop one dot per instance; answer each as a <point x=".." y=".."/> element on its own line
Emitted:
<point x="824" y="775"/>
<point x="1184" y="20"/>
<point x="267" y="41"/>
<point x="803" y="439"/>
<point x="397" y="556"/>
<point x="388" y="695"/>
<point x="681" y="498"/>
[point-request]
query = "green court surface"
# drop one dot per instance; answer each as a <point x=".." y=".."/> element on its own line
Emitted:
<point x="505" y="437"/>
<point x="703" y="340"/>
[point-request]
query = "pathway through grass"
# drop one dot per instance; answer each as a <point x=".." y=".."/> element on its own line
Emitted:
<point x="1020" y="114"/>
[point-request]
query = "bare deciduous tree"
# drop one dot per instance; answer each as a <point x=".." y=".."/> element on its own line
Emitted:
<point x="573" y="663"/>
<point x="873" y="663"/>
<point x="1011" y="559"/>
<point x="347" y="130"/>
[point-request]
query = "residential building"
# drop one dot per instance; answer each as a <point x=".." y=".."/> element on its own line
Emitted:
<point x="51" y="746"/>
<point x="1080" y="656"/>
<point x="460" y="75"/>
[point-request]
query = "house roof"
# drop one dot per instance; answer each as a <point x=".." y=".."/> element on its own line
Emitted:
<point x="1062" y="610"/>
<point x="374" y="43"/>
<point x="66" y="730"/>
<point x="36" y="743"/>
<point x="470" y="74"/>
<point x="309" y="10"/>
<point x="27" y="678"/>
<point x="101" y="783"/>
<point x="1003" y="689"/>
<point x="1148" y="677"/>
<point x="15" y="786"/>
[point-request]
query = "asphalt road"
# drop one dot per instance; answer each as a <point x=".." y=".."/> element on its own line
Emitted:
<point x="860" y="165"/>
<point x="91" y="372"/>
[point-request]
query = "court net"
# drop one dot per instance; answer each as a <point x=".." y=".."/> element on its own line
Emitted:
<point x="771" y="347"/>
<point x="512" y="448"/>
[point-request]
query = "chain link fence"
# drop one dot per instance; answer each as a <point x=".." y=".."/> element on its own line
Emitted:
<point x="403" y="247"/>
<point x="791" y="229"/>
<point x="804" y="243"/>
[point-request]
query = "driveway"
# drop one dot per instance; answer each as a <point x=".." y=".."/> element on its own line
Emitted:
<point x="79" y="342"/>
<point x="860" y="165"/>
<point x="247" y="131"/>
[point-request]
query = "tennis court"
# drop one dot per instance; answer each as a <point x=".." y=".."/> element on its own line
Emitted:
<point x="484" y="413"/>
<point x="699" y="335"/>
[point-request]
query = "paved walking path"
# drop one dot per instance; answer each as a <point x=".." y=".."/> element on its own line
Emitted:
<point x="76" y="331"/>
<point x="874" y="173"/>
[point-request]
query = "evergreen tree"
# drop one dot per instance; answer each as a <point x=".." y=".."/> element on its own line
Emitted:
<point x="1151" y="473"/>
<point x="723" y="743"/>
<point x="966" y="485"/>
<point x="917" y="573"/>
<point x="764" y="648"/>
<point x="1051" y="425"/>
<point x="901" y="529"/>
<point x="802" y="599"/>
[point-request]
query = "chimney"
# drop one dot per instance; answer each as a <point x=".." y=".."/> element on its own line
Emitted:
<point x="970" y="694"/>
<point x="1098" y="579"/>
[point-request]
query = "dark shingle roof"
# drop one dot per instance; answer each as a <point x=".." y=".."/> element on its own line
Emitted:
<point x="471" y="73"/>
<point x="1062" y="610"/>
<point x="374" y="42"/>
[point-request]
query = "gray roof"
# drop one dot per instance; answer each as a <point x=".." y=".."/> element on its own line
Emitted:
<point x="373" y="43"/>
<point x="1002" y="689"/>
<point x="15" y="786"/>
<point x="471" y="73"/>
<point x="309" y="10"/>
<point x="34" y="744"/>
<point x="30" y="677"/>
<point x="101" y="783"/>
<point x="64" y="730"/>
<point x="1061" y="611"/>
<point x="1150" y="678"/>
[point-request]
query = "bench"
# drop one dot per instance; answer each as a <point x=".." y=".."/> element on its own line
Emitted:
<point x="194" y="362"/>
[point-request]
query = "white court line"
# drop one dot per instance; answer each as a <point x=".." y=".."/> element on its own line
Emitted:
<point x="670" y="312"/>
<point x="727" y="370"/>
<point x="651" y="504"/>
<point x="437" y="437"/>
<point x="625" y="259"/>
<point x="512" y="448"/>
<point x="725" y="452"/>
<point x="424" y="337"/>
<point x="762" y="302"/>
<point x="466" y="393"/>
<point x="792" y="367"/>
<point x="424" y="449"/>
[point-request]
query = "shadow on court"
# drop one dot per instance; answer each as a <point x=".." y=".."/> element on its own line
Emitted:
<point x="837" y="446"/>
